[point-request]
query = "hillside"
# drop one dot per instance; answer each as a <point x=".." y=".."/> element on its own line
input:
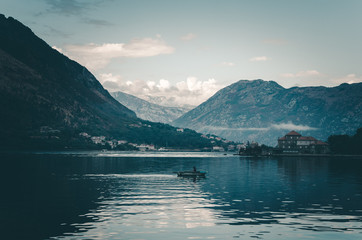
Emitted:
<point x="149" y="111"/>
<point x="47" y="100"/>
<point x="263" y="111"/>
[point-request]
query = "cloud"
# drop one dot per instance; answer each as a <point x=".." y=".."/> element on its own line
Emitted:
<point x="282" y="126"/>
<point x="308" y="73"/>
<point x="229" y="64"/>
<point x="315" y="78"/>
<point x="163" y="85"/>
<point x="97" y="22"/>
<point x="58" y="49"/>
<point x="189" y="92"/>
<point x="97" y="56"/>
<point x="208" y="128"/>
<point x="67" y="7"/>
<point x="258" y="59"/>
<point x="72" y="7"/>
<point x="188" y="37"/>
<point x="78" y="8"/>
<point x="146" y="47"/>
<point x="350" y="78"/>
<point x="304" y="78"/>
<point x="291" y="126"/>
<point x="109" y="77"/>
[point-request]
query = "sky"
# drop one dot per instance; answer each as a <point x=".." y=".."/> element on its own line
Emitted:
<point x="182" y="52"/>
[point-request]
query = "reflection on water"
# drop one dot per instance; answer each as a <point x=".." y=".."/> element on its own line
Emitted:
<point x="149" y="204"/>
<point x="96" y="195"/>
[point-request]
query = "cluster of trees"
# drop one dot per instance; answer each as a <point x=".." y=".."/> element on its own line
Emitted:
<point x="256" y="150"/>
<point x="345" y="144"/>
<point x="164" y="135"/>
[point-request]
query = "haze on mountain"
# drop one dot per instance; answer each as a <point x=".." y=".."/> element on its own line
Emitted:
<point x="46" y="98"/>
<point x="147" y="110"/>
<point x="262" y="111"/>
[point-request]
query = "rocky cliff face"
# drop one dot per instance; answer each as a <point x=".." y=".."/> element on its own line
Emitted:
<point x="149" y="111"/>
<point x="263" y="111"/>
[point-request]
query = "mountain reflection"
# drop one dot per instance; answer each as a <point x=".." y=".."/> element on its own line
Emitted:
<point x="88" y="196"/>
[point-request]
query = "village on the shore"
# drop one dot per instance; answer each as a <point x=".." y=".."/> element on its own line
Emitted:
<point x="292" y="143"/>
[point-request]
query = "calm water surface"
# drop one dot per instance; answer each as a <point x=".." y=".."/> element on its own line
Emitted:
<point x="95" y="195"/>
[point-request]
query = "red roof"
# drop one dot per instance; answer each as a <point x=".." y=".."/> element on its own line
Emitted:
<point x="293" y="133"/>
<point x="321" y="143"/>
<point x="282" y="138"/>
<point x="307" y="139"/>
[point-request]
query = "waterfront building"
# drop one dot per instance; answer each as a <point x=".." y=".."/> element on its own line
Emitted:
<point x="294" y="142"/>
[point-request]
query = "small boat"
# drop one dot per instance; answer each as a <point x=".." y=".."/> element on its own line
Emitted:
<point x="191" y="174"/>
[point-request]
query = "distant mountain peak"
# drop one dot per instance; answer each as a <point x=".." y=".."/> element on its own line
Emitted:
<point x="257" y="83"/>
<point x="263" y="110"/>
<point x="149" y="111"/>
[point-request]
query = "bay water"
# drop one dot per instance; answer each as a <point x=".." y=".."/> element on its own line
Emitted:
<point x="137" y="195"/>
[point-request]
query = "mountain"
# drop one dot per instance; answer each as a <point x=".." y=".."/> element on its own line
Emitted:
<point x="47" y="100"/>
<point x="263" y="111"/>
<point x="167" y="102"/>
<point x="149" y="111"/>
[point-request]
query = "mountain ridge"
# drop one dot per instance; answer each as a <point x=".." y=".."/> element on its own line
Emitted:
<point x="147" y="110"/>
<point x="263" y="110"/>
<point x="48" y="100"/>
<point x="54" y="71"/>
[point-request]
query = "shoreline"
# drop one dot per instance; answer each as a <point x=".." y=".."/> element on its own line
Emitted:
<point x="305" y="155"/>
<point x="183" y="151"/>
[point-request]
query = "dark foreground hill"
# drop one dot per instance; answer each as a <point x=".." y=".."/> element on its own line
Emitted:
<point x="47" y="100"/>
<point x="263" y="111"/>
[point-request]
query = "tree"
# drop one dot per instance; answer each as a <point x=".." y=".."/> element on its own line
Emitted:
<point x="344" y="144"/>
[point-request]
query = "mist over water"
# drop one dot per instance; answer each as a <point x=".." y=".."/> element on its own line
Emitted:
<point x="94" y="195"/>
